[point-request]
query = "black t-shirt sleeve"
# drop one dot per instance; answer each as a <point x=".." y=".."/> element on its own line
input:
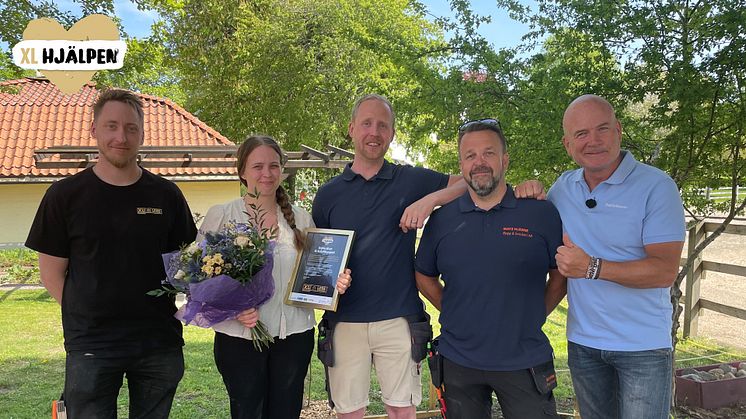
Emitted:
<point x="49" y="232"/>
<point x="183" y="230"/>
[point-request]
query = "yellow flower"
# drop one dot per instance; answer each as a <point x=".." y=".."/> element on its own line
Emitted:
<point x="212" y="264"/>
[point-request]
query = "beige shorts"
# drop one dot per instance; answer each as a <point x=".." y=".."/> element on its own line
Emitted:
<point x="386" y="345"/>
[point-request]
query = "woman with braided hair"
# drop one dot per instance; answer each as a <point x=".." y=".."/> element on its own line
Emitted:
<point x="268" y="383"/>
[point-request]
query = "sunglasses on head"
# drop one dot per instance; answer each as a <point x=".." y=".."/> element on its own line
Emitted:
<point x="487" y="121"/>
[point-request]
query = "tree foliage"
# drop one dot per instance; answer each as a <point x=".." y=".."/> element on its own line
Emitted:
<point x="683" y="65"/>
<point x="293" y="68"/>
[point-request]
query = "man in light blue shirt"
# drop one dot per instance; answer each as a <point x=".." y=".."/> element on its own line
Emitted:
<point x="624" y="232"/>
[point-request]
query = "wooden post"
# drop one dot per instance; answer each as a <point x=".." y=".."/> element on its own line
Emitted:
<point x="693" y="276"/>
<point x="433" y="399"/>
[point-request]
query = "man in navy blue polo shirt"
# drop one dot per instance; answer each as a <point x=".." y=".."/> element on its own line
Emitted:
<point x="493" y="253"/>
<point x="374" y="197"/>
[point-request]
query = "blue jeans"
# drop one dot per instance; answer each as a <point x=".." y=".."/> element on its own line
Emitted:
<point x="93" y="380"/>
<point x="622" y="385"/>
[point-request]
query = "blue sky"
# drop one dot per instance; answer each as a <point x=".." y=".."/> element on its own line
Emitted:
<point x="501" y="32"/>
<point x="136" y="22"/>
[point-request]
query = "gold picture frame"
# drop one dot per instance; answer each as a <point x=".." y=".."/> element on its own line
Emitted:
<point x="314" y="280"/>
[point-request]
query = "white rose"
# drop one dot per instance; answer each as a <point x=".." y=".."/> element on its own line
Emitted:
<point x="179" y="274"/>
<point x="192" y="248"/>
<point x="241" y="241"/>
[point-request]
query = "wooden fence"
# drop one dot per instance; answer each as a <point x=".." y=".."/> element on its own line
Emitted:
<point x="693" y="303"/>
<point x="719" y="194"/>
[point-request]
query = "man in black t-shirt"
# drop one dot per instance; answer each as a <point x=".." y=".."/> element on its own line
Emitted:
<point x="100" y="235"/>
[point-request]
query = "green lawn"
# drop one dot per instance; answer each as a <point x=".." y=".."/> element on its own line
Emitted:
<point x="32" y="362"/>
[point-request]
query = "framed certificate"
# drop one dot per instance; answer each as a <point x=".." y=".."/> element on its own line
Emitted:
<point x="324" y="257"/>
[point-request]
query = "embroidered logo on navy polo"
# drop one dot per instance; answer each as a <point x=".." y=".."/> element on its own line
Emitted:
<point x="517" y="231"/>
<point x="147" y="210"/>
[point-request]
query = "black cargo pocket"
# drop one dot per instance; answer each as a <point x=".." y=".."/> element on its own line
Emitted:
<point x="325" y="349"/>
<point x="421" y="333"/>
<point x="544" y="377"/>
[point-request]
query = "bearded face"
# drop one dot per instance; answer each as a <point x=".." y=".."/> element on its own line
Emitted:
<point x="482" y="179"/>
<point x="483" y="162"/>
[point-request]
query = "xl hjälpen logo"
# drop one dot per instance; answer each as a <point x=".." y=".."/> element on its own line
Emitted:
<point x="70" y="58"/>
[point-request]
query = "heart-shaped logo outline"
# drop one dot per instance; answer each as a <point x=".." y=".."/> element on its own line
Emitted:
<point x="91" y="27"/>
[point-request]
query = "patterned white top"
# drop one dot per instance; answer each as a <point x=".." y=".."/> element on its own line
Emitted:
<point x="280" y="319"/>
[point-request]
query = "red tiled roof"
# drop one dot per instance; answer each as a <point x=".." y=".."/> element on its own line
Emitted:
<point x="34" y="114"/>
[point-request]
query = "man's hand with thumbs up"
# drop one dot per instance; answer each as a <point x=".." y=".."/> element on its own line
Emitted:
<point x="572" y="261"/>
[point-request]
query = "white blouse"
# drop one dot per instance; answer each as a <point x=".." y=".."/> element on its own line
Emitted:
<point x="280" y="319"/>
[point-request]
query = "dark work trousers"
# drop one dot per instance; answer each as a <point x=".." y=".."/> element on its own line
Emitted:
<point x="93" y="380"/>
<point x="468" y="393"/>
<point x="266" y="384"/>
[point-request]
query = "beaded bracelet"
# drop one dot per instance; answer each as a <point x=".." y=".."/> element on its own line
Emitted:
<point x="594" y="268"/>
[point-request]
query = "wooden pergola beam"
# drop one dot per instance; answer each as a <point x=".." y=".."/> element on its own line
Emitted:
<point x="74" y="153"/>
<point x="342" y="152"/>
<point x="314" y="152"/>
<point x="200" y="156"/>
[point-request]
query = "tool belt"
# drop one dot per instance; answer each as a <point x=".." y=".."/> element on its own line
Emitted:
<point x="420" y="331"/>
<point x="435" y="364"/>
<point x="325" y="353"/>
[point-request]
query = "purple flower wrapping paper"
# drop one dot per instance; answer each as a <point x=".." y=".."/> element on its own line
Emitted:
<point x="221" y="297"/>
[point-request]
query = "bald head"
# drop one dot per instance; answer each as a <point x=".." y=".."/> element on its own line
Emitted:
<point x="592" y="137"/>
<point x="584" y="102"/>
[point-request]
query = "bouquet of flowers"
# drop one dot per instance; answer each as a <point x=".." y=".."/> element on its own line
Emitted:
<point x="227" y="272"/>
